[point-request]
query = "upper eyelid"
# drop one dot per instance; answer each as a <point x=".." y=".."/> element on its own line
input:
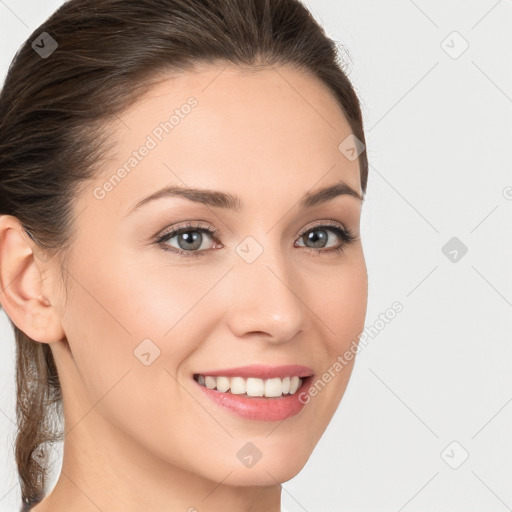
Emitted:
<point x="321" y="224"/>
<point x="216" y="233"/>
<point x="190" y="227"/>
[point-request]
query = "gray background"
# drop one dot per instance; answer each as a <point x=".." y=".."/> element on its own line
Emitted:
<point x="439" y="129"/>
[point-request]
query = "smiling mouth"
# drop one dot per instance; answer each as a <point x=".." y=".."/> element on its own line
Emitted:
<point x="275" y="387"/>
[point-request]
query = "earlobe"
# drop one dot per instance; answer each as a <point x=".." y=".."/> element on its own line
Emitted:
<point x="21" y="285"/>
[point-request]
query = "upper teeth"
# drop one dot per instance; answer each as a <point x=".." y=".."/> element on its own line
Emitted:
<point x="252" y="386"/>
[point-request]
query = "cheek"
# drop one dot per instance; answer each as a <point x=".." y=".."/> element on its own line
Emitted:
<point x="140" y="318"/>
<point x="338" y="296"/>
<point x="340" y="304"/>
<point x="129" y="329"/>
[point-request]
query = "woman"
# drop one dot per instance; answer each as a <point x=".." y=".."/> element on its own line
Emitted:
<point x="181" y="186"/>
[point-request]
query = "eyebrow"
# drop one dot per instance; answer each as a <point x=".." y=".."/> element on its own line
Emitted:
<point x="219" y="199"/>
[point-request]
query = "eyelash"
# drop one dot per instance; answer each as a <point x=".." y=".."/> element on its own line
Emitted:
<point x="345" y="234"/>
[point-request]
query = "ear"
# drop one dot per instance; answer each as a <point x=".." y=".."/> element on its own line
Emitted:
<point x="21" y="285"/>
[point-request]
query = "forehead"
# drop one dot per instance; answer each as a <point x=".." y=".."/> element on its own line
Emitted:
<point x="251" y="131"/>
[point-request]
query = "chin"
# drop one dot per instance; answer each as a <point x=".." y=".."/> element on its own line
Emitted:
<point x="273" y="467"/>
<point x="264" y="474"/>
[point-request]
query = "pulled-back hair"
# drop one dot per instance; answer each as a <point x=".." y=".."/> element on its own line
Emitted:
<point x="53" y="106"/>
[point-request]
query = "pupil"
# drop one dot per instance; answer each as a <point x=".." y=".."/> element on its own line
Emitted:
<point x="312" y="237"/>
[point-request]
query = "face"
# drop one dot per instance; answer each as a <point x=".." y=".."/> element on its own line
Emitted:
<point x="256" y="275"/>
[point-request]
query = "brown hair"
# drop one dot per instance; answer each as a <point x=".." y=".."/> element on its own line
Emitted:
<point x="52" y="109"/>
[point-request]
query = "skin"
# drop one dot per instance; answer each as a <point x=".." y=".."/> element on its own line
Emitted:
<point x="144" y="437"/>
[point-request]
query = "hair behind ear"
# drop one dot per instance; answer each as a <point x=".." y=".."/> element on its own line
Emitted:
<point x="38" y="396"/>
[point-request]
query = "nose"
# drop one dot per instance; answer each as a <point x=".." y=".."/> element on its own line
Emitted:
<point x="265" y="299"/>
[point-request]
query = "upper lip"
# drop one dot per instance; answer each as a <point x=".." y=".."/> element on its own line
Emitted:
<point x="261" y="371"/>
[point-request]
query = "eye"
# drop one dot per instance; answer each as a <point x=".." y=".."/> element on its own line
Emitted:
<point x="319" y="237"/>
<point x="190" y="239"/>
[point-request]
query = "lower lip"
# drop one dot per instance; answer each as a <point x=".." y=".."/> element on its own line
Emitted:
<point x="260" y="408"/>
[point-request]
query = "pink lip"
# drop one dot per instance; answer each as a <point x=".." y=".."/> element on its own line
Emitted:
<point x="262" y="371"/>
<point x="260" y="408"/>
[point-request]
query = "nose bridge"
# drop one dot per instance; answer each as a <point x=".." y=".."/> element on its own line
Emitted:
<point x="265" y="293"/>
